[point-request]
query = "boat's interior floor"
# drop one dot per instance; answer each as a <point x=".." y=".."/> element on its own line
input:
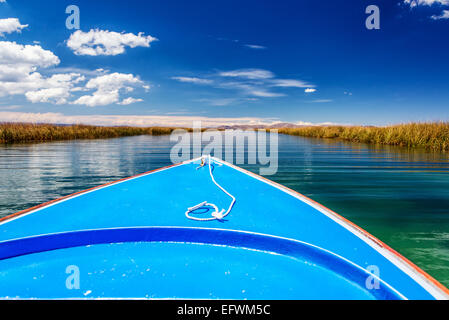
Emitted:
<point x="139" y="269"/>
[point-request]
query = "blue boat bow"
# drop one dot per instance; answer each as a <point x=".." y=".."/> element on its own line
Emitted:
<point x="134" y="239"/>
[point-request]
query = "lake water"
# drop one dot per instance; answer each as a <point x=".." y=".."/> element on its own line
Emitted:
<point x="400" y="196"/>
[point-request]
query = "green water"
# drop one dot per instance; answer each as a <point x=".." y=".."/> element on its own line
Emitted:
<point x="400" y="196"/>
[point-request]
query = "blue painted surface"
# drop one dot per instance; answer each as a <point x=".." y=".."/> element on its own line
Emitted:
<point x="160" y="199"/>
<point x="179" y="263"/>
<point x="206" y="272"/>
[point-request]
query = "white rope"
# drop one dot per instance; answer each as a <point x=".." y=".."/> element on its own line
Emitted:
<point x="216" y="215"/>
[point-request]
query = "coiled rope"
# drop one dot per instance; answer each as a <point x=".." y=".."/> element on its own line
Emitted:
<point x="216" y="215"/>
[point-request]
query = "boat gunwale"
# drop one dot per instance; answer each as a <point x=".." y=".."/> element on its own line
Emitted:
<point x="35" y="208"/>
<point x="439" y="290"/>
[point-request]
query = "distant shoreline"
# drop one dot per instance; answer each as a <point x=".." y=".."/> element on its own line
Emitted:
<point x="433" y="136"/>
<point x="28" y="132"/>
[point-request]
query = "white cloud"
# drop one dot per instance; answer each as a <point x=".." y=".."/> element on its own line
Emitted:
<point x="218" y="102"/>
<point x="320" y="101"/>
<point x="129" y="100"/>
<point x="103" y="42"/>
<point x="444" y="15"/>
<point x="59" y="95"/>
<point x="248" y="74"/>
<point x="20" y="75"/>
<point x="11" y="25"/>
<point x="107" y="89"/>
<point x="18" y="67"/>
<point x="193" y="80"/>
<point x="112" y="81"/>
<point x="250" y="89"/>
<point x="416" y="3"/>
<point x="56" y="89"/>
<point x="139" y="120"/>
<point x="84" y="71"/>
<point x="249" y="82"/>
<point x="255" y="46"/>
<point x="127" y="120"/>
<point x="265" y="94"/>
<point x="304" y="123"/>
<point x="290" y="83"/>
<point x="98" y="99"/>
<point x="10" y="107"/>
<point x="256" y="82"/>
<point x="221" y="102"/>
<point x="12" y="53"/>
<point x="436" y="3"/>
<point x="309" y="90"/>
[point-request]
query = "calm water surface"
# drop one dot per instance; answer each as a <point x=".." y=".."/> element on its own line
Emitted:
<point x="399" y="196"/>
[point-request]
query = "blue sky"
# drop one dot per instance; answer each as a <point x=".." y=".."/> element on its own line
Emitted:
<point x="169" y="62"/>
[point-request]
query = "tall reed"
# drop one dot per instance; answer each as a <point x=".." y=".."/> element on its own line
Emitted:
<point x="432" y="136"/>
<point x="27" y="132"/>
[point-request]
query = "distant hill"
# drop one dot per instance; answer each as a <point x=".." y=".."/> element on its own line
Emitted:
<point x="280" y="125"/>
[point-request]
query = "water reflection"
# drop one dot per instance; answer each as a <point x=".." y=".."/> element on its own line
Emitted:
<point x="35" y="173"/>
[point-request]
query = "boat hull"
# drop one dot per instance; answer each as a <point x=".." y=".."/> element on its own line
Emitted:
<point x="131" y="239"/>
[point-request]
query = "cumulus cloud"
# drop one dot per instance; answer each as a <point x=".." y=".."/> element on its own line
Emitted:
<point x="59" y="95"/>
<point x="431" y="3"/>
<point x="18" y="65"/>
<point x="12" y="53"/>
<point x="56" y="89"/>
<point x="444" y="15"/>
<point x="416" y="3"/>
<point x="248" y="74"/>
<point x="129" y="100"/>
<point x="107" y="89"/>
<point x="309" y="90"/>
<point x="20" y="75"/>
<point x="103" y="42"/>
<point x="11" y="25"/>
<point x="193" y="80"/>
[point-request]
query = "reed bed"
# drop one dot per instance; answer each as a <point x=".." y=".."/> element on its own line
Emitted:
<point x="26" y="132"/>
<point x="432" y="136"/>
